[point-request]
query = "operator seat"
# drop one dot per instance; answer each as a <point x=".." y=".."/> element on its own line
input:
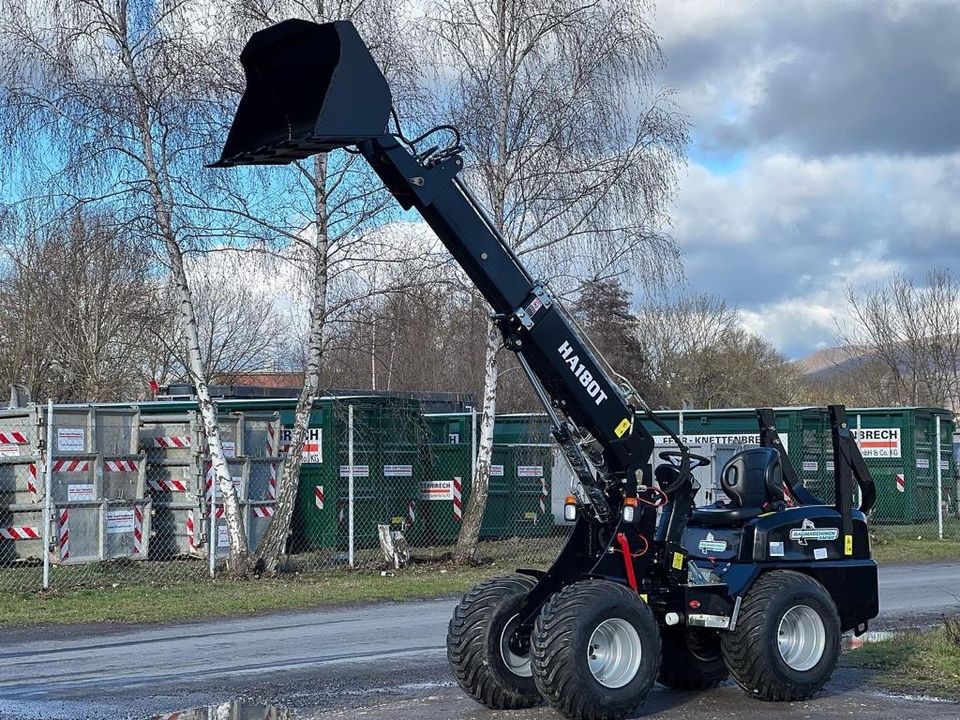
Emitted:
<point x="753" y="480"/>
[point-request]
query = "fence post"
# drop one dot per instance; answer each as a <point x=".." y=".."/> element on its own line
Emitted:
<point x="213" y="540"/>
<point x="350" y="484"/>
<point x="47" y="493"/>
<point x="939" y="485"/>
<point x="473" y="444"/>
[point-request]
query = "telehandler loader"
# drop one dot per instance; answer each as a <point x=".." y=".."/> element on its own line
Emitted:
<point x="648" y="587"/>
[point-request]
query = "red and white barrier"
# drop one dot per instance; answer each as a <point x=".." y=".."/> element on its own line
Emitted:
<point x="33" y="482"/>
<point x="411" y="512"/>
<point x="191" y="531"/>
<point x="457" y="499"/>
<point x="901" y="483"/>
<point x="172" y="442"/>
<point x="318" y="496"/>
<point x="137" y="530"/>
<point x="210" y="477"/>
<point x="544" y="494"/>
<point x="120" y="465"/>
<point x="262" y="511"/>
<point x="63" y="533"/>
<point x="272" y="431"/>
<point x="167" y="485"/>
<point x="71" y="465"/>
<point x="19" y="532"/>
<point x="12" y="437"/>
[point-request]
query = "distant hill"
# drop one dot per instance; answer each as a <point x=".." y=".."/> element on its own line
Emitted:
<point x="829" y="361"/>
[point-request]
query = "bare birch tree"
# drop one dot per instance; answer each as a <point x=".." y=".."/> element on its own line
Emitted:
<point x="911" y="328"/>
<point x="111" y="88"/>
<point x="571" y="145"/>
<point x="329" y="205"/>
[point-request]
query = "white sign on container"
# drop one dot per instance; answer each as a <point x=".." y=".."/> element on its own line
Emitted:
<point x="358" y="471"/>
<point x="529" y="470"/>
<point x="70" y="439"/>
<point x="923" y="463"/>
<point x="313" y="446"/>
<point x="436" y="489"/>
<point x="223" y="536"/>
<point x="229" y="448"/>
<point x="496" y="471"/>
<point x="9" y="450"/>
<point x="398" y="470"/>
<point x="119" y="521"/>
<point x="80" y="493"/>
<point x="720" y="439"/>
<point x="810" y="465"/>
<point x="878" y="442"/>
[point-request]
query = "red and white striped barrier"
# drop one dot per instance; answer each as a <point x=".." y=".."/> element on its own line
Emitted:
<point x="167" y="485"/>
<point x="63" y="533"/>
<point x="19" y="532"/>
<point x="901" y="483"/>
<point x="33" y="481"/>
<point x="411" y="512"/>
<point x="71" y="465"/>
<point x="272" y="432"/>
<point x="544" y="493"/>
<point x="191" y="528"/>
<point x="172" y="442"/>
<point x="120" y="465"/>
<point x="12" y="437"/>
<point x="262" y="511"/>
<point x="137" y="530"/>
<point x="318" y="496"/>
<point x="457" y="500"/>
<point x="210" y="477"/>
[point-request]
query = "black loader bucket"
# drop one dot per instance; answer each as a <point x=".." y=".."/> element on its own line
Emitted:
<point x="310" y="88"/>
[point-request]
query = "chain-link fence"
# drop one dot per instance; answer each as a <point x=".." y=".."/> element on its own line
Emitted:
<point x="392" y="474"/>
<point x="127" y="494"/>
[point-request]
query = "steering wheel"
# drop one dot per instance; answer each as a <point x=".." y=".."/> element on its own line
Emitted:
<point x="675" y="456"/>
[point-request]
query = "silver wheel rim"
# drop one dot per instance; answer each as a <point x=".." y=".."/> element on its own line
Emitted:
<point x="614" y="653"/>
<point x="517" y="664"/>
<point x="801" y="638"/>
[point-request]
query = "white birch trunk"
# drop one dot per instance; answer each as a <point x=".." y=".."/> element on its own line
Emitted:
<point x="469" y="535"/>
<point x="162" y="200"/>
<point x="274" y="541"/>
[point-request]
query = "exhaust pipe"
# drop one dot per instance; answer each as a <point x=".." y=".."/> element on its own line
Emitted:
<point x="311" y="88"/>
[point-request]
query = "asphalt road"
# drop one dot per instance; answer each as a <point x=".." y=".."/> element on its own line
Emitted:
<point x="380" y="661"/>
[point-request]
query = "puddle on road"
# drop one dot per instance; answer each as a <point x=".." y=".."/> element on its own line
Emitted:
<point x="233" y="710"/>
<point x="852" y="642"/>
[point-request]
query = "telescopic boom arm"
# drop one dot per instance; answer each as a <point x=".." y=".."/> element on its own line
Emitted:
<point x="281" y="120"/>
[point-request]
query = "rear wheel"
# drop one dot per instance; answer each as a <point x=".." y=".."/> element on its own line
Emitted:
<point x="487" y="661"/>
<point x="787" y="639"/>
<point x="595" y="651"/>
<point x="692" y="659"/>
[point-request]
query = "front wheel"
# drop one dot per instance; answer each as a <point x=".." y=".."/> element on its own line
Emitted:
<point x="487" y="661"/>
<point x="787" y="639"/>
<point x="595" y="651"/>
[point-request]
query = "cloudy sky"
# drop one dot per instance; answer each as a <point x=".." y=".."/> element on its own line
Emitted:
<point x="826" y="151"/>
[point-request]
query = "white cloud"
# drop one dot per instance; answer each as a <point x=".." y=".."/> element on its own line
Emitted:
<point x="783" y="236"/>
